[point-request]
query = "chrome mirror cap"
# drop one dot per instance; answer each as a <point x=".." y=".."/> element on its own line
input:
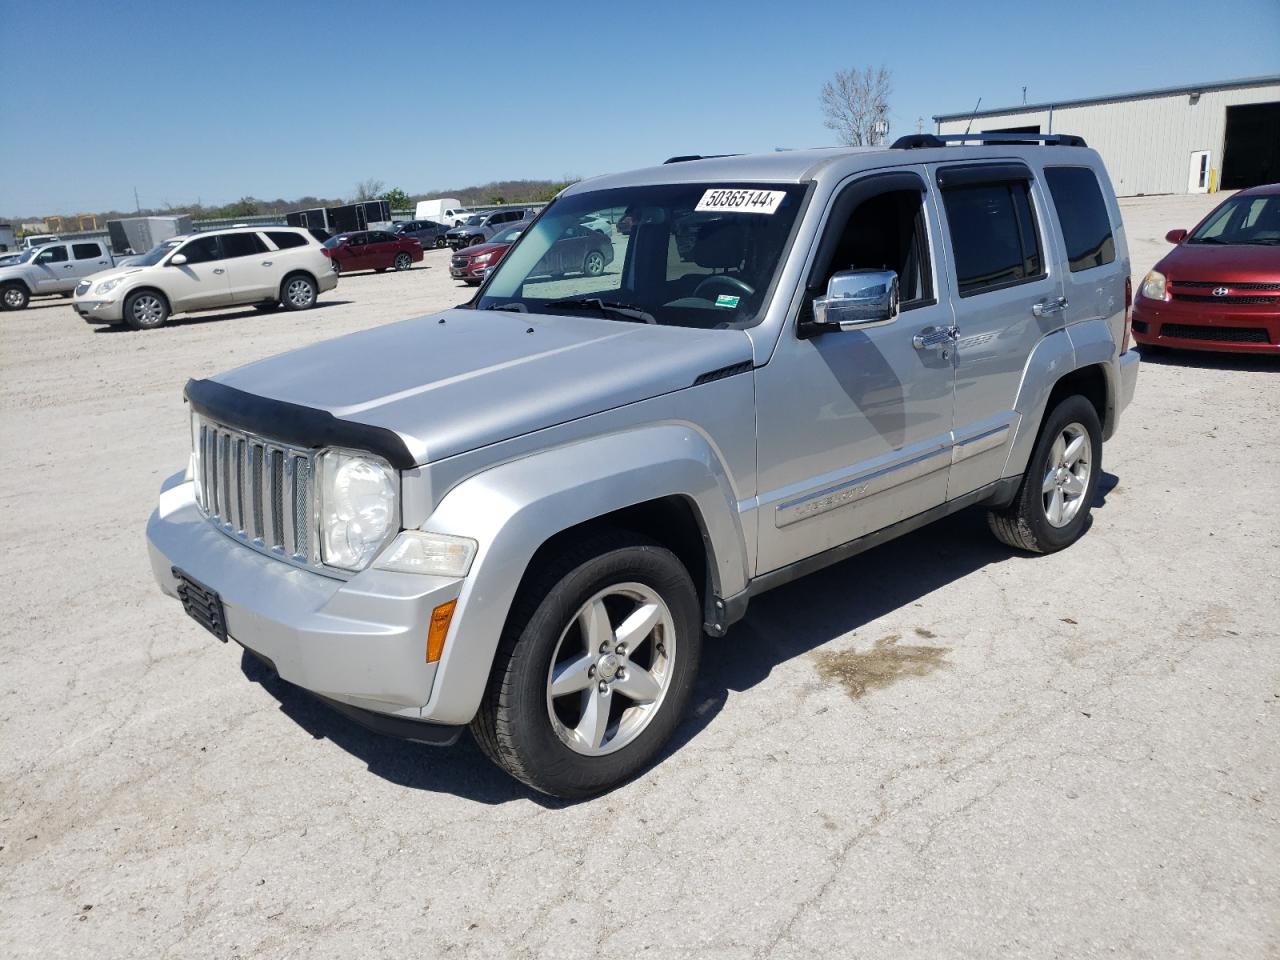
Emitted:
<point x="858" y="299"/>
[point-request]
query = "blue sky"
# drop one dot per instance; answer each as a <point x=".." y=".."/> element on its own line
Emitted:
<point x="209" y="101"/>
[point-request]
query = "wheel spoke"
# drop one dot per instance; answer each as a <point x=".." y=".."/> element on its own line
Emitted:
<point x="638" y="684"/>
<point x="595" y="718"/>
<point x="596" y="629"/>
<point x="572" y="676"/>
<point x="1059" y="449"/>
<point x="1074" y="451"/>
<point x="1055" y="508"/>
<point x="1073" y="485"/>
<point x="638" y="625"/>
<point x="1050" y="482"/>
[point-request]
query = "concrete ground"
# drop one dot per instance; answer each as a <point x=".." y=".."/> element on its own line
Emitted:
<point x="936" y="749"/>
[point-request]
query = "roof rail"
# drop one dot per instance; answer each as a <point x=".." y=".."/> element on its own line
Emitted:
<point x="694" y="156"/>
<point x="918" y="141"/>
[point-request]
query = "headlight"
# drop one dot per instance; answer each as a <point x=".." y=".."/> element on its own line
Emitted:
<point x="1153" y="286"/>
<point x="106" y="286"/>
<point x="483" y="258"/>
<point x="357" y="508"/>
<point x="416" y="551"/>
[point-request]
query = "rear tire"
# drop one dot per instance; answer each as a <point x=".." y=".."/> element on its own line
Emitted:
<point x="1051" y="508"/>
<point x="298" y="292"/>
<point x="14" y="296"/>
<point x="622" y="692"/>
<point x="441" y="242"/>
<point x="146" y="310"/>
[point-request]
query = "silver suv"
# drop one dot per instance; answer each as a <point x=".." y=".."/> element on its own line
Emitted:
<point x="525" y="514"/>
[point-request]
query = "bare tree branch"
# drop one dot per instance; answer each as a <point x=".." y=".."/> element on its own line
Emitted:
<point x="856" y="105"/>
<point x="368" y="189"/>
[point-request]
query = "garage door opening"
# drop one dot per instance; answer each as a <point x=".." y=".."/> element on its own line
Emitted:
<point x="1251" y="150"/>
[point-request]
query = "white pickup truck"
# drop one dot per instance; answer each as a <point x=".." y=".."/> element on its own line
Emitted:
<point x="51" y="270"/>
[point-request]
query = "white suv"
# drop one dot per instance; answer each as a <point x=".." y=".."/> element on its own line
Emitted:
<point x="268" y="268"/>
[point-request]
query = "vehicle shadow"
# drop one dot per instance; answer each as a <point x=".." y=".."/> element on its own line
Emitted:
<point x="196" y="319"/>
<point x="783" y="624"/>
<point x="1206" y="360"/>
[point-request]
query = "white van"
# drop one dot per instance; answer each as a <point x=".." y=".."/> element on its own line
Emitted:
<point x="446" y="210"/>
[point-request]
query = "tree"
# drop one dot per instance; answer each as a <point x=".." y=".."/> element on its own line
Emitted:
<point x="856" y="105"/>
<point x="398" y="199"/>
<point x="368" y="189"/>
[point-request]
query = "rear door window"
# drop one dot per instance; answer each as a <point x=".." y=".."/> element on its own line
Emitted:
<point x="242" y="245"/>
<point x="994" y="240"/>
<point x="86" y="251"/>
<point x="1082" y="212"/>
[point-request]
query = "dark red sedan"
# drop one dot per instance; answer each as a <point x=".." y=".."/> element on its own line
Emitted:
<point x="580" y="249"/>
<point x="372" y="250"/>
<point x="1219" y="288"/>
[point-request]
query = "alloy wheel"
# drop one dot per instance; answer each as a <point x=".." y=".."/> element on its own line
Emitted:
<point x="612" y="669"/>
<point x="148" y="310"/>
<point x="300" y="293"/>
<point x="1067" y="479"/>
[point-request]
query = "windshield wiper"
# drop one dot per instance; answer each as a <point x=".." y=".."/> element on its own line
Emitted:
<point x="512" y="307"/>
<point x="607" y="307"/>
<point x="1208" y="240"/>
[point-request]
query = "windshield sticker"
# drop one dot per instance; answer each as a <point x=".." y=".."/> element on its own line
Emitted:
<point x="724" y="300"/>
<point x="740" y="201"/>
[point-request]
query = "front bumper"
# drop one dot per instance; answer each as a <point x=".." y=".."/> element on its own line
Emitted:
<point x="468" y="272"/>
<point x="99" y="311"/>
<point x="462" y="242"/>
<point x="1245" y="328"/>
<point x="361" y="642"/>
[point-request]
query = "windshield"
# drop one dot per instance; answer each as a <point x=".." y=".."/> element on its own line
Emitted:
<point x="156" y="254"/>
<point x="475" y="220"/>
<point x="689" y="255"/>
<point x="1242" y="220"/>
<point x="28" y="254"/>
<point x="335" y="240"/>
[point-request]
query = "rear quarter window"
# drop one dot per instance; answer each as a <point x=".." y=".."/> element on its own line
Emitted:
<point x="994" y="240"/>
<point x="285" y="240"/>
<point x="1082" y="212"/>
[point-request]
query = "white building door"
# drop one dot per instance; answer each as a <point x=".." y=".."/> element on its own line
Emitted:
<point x="1198" y="179"/>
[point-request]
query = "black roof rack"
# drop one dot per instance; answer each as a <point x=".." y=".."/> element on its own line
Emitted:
<point x="919" y="141"/>
<point x="694" y="156"/>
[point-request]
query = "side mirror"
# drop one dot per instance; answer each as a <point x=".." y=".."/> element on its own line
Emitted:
<point x="856" y="300"/>
<point x="1176" y="236"/>
<point x="177" y="260"/>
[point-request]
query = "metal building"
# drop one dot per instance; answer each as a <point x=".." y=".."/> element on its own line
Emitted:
<point x="1188" y="139"/>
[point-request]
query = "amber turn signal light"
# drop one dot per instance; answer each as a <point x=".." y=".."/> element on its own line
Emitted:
<point x="440" y="618"/>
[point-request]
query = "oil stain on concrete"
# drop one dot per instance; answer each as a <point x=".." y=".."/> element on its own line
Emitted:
<point x="884" y="664"/>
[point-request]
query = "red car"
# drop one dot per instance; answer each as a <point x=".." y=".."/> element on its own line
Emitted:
<point x="580" y="249"/>
<point x="1219" y="289"/>
<point x="372" y="250"/>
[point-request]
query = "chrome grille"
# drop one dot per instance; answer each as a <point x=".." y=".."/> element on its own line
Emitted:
<point x="258" y="491"/>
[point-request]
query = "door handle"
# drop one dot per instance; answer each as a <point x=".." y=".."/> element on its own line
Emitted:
<point x="218" y="270"/>
<point x="934" y="337"/>
<point x="1049" y="306"/>
<point x="266" y="263"/>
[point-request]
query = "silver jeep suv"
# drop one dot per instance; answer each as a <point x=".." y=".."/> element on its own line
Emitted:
<point x="525" y="514"/>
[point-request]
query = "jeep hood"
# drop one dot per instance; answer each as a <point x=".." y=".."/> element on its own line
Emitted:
<point x="452" y="382"/>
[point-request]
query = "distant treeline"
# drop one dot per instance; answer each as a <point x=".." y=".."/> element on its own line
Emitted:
<point x="499" y="191"/>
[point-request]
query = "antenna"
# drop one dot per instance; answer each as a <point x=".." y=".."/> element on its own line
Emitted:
<point x="971" y="116"/>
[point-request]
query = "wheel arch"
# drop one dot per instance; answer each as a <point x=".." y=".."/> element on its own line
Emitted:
<point x="17" y="282"/>
<point x="297" y="272"/>
<point x="1080" y="359"/>
<point x="663" y="481"/>
<point x="148" y="288"/>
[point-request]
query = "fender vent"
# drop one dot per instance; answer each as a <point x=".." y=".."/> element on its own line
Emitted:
<point x="729" y="371"/>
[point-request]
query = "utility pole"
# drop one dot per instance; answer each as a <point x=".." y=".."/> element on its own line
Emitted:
<point x="1024" y="96"/>
<point x="919" y="124"/>
<point x="136" y="206"/>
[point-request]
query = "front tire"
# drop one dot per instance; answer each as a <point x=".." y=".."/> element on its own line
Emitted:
<point x="145" y="310"/>
<point x="403" y="261"/>
<point x="14" y="296"/>
<point x="1052" y="506"/>
<point x="594" y="668"/>
<point x="298" y="292"/>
